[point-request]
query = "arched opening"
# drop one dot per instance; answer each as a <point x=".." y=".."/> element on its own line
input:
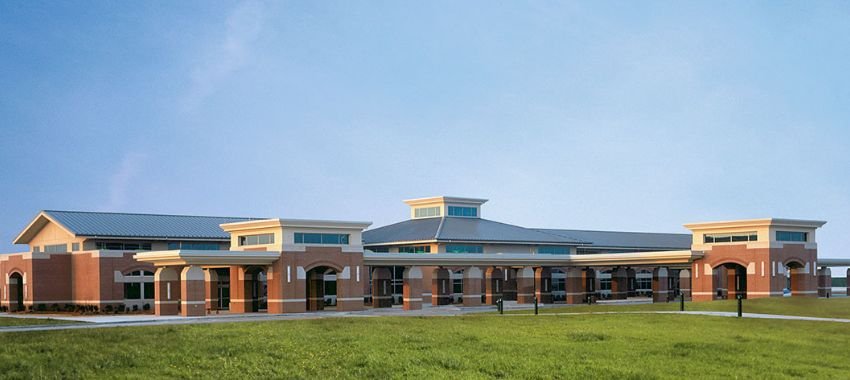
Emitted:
<point x="321" y="288"/>
<point x="16" y="292"/>
<point x="604" y="277"/>
<point x="457" y="286"/>
<point x="729" y="281"/>
<point x="256" y="287"/>
<point x="559" y="285"/>
<point x="796" y="276"/>
<point x="643" y="283"/>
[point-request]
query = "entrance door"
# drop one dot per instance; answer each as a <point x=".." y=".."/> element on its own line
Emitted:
<point x="16" y="292"/>
<point x="224" y="295"/>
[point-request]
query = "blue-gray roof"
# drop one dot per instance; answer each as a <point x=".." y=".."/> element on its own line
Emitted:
<point x="107" y="224"/>
<point x="616" y="239"/>
<point x="460" y="229"/>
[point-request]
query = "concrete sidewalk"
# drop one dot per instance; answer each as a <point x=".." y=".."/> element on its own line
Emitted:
<point x="104" y="321"/>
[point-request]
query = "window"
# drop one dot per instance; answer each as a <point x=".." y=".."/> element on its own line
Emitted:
<point x="604" y="284"/>
<point x="469" y="212"/>
<point x="110" y="246"/>
<point x="315" y="238"/>
<point x="138" y="285"/>
<point x="426" y="212"/>
<point x="730" y="238"/>
<point x="782" y="236"/>
<point x="643" y="283"/>
<point x="36" y="249"/>
<point x="56" y="248"/>
<point x="256" y="239"/>
<point x="75" y="247"/>
<point x="464" y="248"/>
<point x="380" y="249"/>
<point x="554" y="250"/>
<point x="415" y="249"/>
<point x="198" y="246"/>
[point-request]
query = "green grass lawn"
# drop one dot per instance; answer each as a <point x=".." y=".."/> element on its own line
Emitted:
<point x="477" y="346"/>
<point x="800" y="306"/>
<point x="9" y="321"/>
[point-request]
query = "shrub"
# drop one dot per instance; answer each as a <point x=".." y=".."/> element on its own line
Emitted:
<point x="121" y="308"/>
<point x="135" y="307"/>
<point x="146" y="307"/>
<point x="108" y="308"/>
<point x="54" y="307"/>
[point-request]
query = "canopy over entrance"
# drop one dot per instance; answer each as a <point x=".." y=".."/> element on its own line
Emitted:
<point x="207" y="258"/>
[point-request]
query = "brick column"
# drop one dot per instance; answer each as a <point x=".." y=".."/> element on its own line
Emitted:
<point x="349" y="289"/>
<point x="412" y="291"/>
<point x="166" y="291"/>
<point x="472" y="286"/>
<point x="685" y="283"/>
<point x="543" y="285"/>
<point x="382" y="295"/>
<point x="239" y="299"/>
<point x="441" y="287"/>
<point x="847" y="289"/>
<point x="631" y="279"/>
<point x="803" y="282"/>
<point x="525" y="285"/>
<point x="579" y="284"/>
<point x="192" y="287"/>
<point x="211" y="289"/>
<point x="659" y="285"/>
<point x="824" y="282"/>
<point x="493" y="282"/>
<point x="619" y="284"/>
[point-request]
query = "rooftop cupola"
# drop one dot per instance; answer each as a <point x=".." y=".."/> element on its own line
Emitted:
<point x="434" y="207"/>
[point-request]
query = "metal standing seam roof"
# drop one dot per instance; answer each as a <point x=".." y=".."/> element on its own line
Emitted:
<point x="107" y="224"/>
<point x="616" y="239"/>
<point x="460" y="229"/>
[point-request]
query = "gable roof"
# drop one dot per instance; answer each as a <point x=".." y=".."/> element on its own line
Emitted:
<point x="447" y="229"/>
<point x="617" y="239"/>
<point x="127" y="225"/>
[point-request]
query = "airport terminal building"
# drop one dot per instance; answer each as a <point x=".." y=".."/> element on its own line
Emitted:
<point x="445" y="253"/>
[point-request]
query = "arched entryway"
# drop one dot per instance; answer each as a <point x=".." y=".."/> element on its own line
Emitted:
<point x="16" y="292"/>
<point x="729" y="281"/>
<point x="256" y="289"/>
<point x="321" y="288"/>
<point x="559" y="285"/>
<point x="798" y="278"/>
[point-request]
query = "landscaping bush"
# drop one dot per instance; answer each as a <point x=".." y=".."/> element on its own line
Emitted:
<point x="146" y="307"/>
<point x="108" y="308"/>
<point x="54" y="308"/>
<point x="135" y="307"/>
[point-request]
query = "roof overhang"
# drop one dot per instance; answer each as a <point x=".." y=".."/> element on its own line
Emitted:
<point x="445" y="199"/>
<point x="207" y="258"/>
<point x="837" y="262"/>
<point x="525" y="259"/>
<point x="773" y="222"/>
<point x="294" y="223"/>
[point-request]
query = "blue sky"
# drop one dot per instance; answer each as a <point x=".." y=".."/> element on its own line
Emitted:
<point x="596" y="115"/>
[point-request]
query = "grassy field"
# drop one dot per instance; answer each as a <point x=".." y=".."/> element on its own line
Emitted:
<point x="8" y="321"/>
<point x="799" y="306"/>
<point x="481" y="346"/>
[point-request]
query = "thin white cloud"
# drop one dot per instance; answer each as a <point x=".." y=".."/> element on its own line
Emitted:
<point x="122" y="179"/>
<point x="243" y="27"/>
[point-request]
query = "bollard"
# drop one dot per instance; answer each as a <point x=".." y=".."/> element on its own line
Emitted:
<point x="681" y="301"/>
<point x="535" y="305"/>
<point x="740" y="305"/>
<point x="501" y="306"/>
<point x="827" y="295"/>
